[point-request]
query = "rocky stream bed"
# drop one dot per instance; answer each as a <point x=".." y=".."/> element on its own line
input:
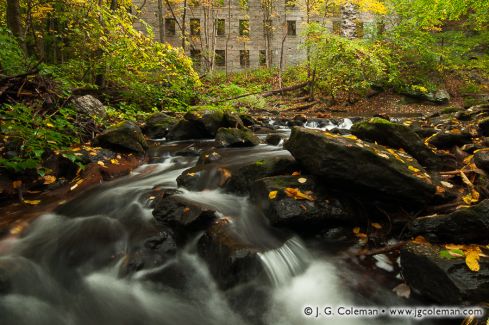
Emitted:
<point x="248" y="220"/>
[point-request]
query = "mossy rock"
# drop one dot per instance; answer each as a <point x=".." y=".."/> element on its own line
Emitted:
<point x="158" y="125"/>
<point x="221" y="119"/>
<point x="231" y="137"/>
<point x="448" y="139"/>
<point x="396" y="136"/>
<point x="125" y="136"/>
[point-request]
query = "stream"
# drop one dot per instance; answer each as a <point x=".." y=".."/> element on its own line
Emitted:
<point x="70" y="266"/>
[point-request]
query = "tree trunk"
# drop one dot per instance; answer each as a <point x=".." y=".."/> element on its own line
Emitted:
<point x="161" y="22"/>
<point x="13" y="19"/>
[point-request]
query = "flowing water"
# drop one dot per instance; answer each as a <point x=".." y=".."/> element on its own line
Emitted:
<point x="68" y="266"/>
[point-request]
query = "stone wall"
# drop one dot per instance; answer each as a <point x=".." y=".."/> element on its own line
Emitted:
<point x="232" y="41"/>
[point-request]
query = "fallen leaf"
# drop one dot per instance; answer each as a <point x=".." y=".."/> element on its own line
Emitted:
<point x="272" y="195"/>
<point x="454" y="246"/>
<point x="296" y="173"/>
<point x="352" y="137"/>
<point x="17" y="184"/>
<point x="92" y="153"/>
<point x="297" y="194"/>
<point x="114" y="162"/>
<point x="32" y="202"/>
<point x="377" y="225"/>
<point x="50" y="125"/>
<point x="402" y="290"/>
<point x="446" y="184"/>
<point x="191" y="174"/>
<point x="413" y="169"/>
<point x="472" y="255"/>
<point x="356" y="230"/>
<point x="302" y="180"/>
<point x="419" y="240"/>
<point x="49" y="179"/>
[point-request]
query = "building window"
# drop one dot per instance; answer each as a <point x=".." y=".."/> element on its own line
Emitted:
<point x="262" y="58"/>
<point x="220" y="27"/>
<point x="196" y="57"/>
<point x="170" y="26"/>
<point x="220" y="58"/>
<point x="195" y="26"/>
<point x="291" y="28"/>
<point x="359" y="31"/>
<point x="244" y="28"/>
<point x="244" y="58"/>
<point x="290" y="3"/>
<point x="337" y="27"/>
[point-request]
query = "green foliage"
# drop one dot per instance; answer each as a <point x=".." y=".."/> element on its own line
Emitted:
<point x="12" y="59"/>
<point x="26" y="135"/>
<point x="344" y="68"/>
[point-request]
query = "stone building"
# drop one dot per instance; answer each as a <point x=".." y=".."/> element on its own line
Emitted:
<point x="239" y="34"/>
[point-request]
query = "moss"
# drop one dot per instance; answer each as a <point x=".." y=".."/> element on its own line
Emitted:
<point x="449" y="110"/>
<point x="379" y="120"/>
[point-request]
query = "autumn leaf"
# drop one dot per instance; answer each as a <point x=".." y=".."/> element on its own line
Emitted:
<point x="272" y="195"/>
<point x="114" y="162"/>
<point x="419" y="240"/>
<point x="296" y="173"/>
<point x="32" y="202"/>
<point x="17" y="184"/>
<point x="302" y="180"/>
<point x="297" y="194"/>
<point x="49" y="179"/>
<point x="377" y="225"/>
<point x="472" y="255"/>
<point x="413" y="169"/>
<point x="101" y="163"/>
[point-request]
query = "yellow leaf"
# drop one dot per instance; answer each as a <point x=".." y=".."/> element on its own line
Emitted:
<point x="272" y="195"/>
<point x="352" y="137"/>
<point x="191" y="174"/>
<point x="17" y="184"/>
<point x="49" y="179"/>
<point x="377" y="225"/>
<point x="297" y="194"/>
<point x="76" y="149"/>
<point x="101" y="163"/>
<point x="50" y="125"/>
<point x="32" y="202"/>
<point x="114" y="161"/>
<point x="302" y="180"/>
<point x="454" y="246"/>
<point x="296" y="173"/>
<point x="92" y="153"/>
<point x="413" y="169"/>
<point x="356" y="230"/>
<point x="419" y="240"/>
<point x="472" y="258"/>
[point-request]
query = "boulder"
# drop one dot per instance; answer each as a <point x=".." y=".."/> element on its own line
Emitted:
<point x="309" y="210"/>
<point x="446" y="281"/>
<point x="89" y="105"/>
<point x="249" y="120"/>
<point x="481" y="159"/>
<point x="235" y="178"/>
<point x="213" y="121"/>
<point x="126" y="136"/>
<point x="396" y="136"/>
<point x="366" y="169"/>
<point x="273" y="139"/>
<point x="231" y="260"/>
<point x="180" y="215"/>
<point x="197" y="126"/>
<point x="483" y="125"/>
<point x="448" y="139"/>
<point x="440" y="96"/>
<point x="465" y="225"/>
<point x="230" y="137"/>
<point x="158" y="125"/>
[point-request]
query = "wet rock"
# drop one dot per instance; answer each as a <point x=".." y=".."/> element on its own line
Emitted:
<point x="396" y="136"/>
<point x="446" y="281"/>
<point x="465" y="225"/>
<point x="158" y="125"/>
<point x="208" y="157"/>
<point x="197" y="126"/>
<point x="213" y="121"/>
<point x="229" y="137"/>
<point x="440" y="96"/>
<point x="449" y="139"/>
<point x="249" y="120"/>
<point x="89" y="105"/>
<point x="187" y="130"/>
<point x="231" y="261"/>
<point x="125" y="136"/>
<point x="181" y="215"/>
<point x="312" y="214"/>
<point x="236" y="178"/>
<point x="360" y="167"/>
<point x="273" y="139"/>
<point x="484" y="126"/>
<point x="481" y="159"/>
